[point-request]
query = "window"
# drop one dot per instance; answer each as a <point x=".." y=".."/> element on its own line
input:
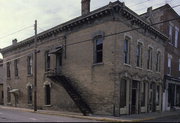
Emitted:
<point x="171" y="32"/>
<point x="179" y="64"/>
<point x="157" y="94"/>
<point x="143" y="93"/>
<point x="29" y="64"/>
<point x="30" y="94"/>
<point x="149" y="61"/>
<point x="126" y="51"/>
<point x="169" y="64"/>
<point x="16" y="68"/>
<point x="139" y="55"/>
<point x="47" y="95"/>
<point x="123" y="93"/>
<point x="8" y="95"/>
<point x="176" y="36"/>
<point x="98" y="58"/>
<point x="8" y="70"/>
<point x="158" y="62"/>
<point x="47" y="61"/>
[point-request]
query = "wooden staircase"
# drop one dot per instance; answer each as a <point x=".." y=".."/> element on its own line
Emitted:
<point x="71" y="90"/>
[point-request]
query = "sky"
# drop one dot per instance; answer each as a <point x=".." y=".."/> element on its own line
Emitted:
<point x="17" y="16"/>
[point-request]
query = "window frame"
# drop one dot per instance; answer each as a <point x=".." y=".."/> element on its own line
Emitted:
<point x="127" y="42"/>
<point x="47" y="61"/>
<point x="30" y="94"/>
<point x="150" y="59"/>
<point x="98" y="52"/>
<point x="8" y="65"/>
<point x="16" y="70"/>
<point x="30" y="65"/>
<point x="139" y="53"/>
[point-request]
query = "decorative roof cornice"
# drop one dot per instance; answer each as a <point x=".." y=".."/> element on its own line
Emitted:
<point x="115" y="7"/>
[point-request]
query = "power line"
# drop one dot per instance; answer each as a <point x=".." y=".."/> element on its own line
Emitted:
<point x="15" y="32"/>
<point x="83" y="41"/>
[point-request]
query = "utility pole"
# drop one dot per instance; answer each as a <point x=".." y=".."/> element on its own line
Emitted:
<point x="35" y="66"/>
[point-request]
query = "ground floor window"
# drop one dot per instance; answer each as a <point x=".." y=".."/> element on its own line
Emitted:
<point x="8" y="95"/>
<point x="123" y="94"/>
<point x="47" y="94"/>
<point x="30" y="95"/>
<point x="178" y="96"/>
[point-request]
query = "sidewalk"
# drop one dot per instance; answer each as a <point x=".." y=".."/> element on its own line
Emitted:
<point x="125" y="118"/>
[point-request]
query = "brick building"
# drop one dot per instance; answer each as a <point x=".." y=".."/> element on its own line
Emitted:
<point x="171" y="96"/>
<point x="1" y="82"/>
<point x="91" y="64"/>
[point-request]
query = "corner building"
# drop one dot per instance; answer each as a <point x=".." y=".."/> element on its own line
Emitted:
<point x="97" y="63"/>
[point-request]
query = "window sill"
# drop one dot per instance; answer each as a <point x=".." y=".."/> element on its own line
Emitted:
<point x="48" y="105"/>
<point x="149" y="70"/>
<point x="97" y="64"/>
<point x="140" y="68"/>
<point x="128" y="65"/>
<point x="16" y="77"/>
<point x="29" y="75"/>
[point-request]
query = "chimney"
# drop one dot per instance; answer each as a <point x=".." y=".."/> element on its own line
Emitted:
<point x="85" y="7"/>
<point x="14" y="41"/>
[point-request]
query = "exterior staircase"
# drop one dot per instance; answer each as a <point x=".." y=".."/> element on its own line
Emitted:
<point x="71" y="90"/>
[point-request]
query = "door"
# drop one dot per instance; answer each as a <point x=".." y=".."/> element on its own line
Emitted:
<point x="58" y="62"/>
<point x="134" y="97"/>
<point x="152" y="97"/>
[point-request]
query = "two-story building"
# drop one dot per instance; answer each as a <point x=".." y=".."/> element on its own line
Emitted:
<point x="171" y="95"/>
<point x="108" y="61"/>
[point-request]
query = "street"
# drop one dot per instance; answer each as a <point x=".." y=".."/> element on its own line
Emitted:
<point x="175" y="118"/>
<point x="9" y="115"/>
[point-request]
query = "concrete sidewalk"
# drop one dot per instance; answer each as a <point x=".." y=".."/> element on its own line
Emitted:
<point x="125" y="118"/>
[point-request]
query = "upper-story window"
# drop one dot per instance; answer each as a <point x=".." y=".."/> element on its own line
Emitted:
<point x="158" y="61"/>
<point x="171" y="32"/>
<point x="179" y="64"/>
<point x="169" y="64"/>
<point x="139" y="55"/>
<point x="149" y="61"/>
<point x="29" y="65"/>
<point x="8" y="70"/>
<point x="98" y="52"/>
<point x="47" y="61"/>
<point x="127" y="50"/>
<point x="176" y="36"/>
<point x="16" y="72"/>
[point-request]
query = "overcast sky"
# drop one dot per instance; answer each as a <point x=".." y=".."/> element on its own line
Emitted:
<point x="19" y="15"/>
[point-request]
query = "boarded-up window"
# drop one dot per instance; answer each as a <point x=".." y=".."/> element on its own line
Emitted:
<point x="123" y="93"/>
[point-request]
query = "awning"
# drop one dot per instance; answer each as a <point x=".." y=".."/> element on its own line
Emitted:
<point x="14" y="91"/>
<point x="56" y="50"/>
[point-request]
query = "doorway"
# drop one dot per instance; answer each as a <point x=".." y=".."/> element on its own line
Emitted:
<point x="152" y="97"/>
<point x="134" y="97"/>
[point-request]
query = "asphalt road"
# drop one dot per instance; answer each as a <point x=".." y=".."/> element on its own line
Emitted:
<point x="170" y="119"/>
<point x="8" y="115"/>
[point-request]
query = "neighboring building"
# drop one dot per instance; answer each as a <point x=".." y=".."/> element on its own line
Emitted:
<point x="1" y="83"/>
<point x="86" y="64"/>
<point x="171" y="96"/>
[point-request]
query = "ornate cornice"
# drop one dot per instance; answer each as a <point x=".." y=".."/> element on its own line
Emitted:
<point x="109" y="10"/>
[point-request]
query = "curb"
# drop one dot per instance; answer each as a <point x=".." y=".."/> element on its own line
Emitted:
<point x="87" y="117"/>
